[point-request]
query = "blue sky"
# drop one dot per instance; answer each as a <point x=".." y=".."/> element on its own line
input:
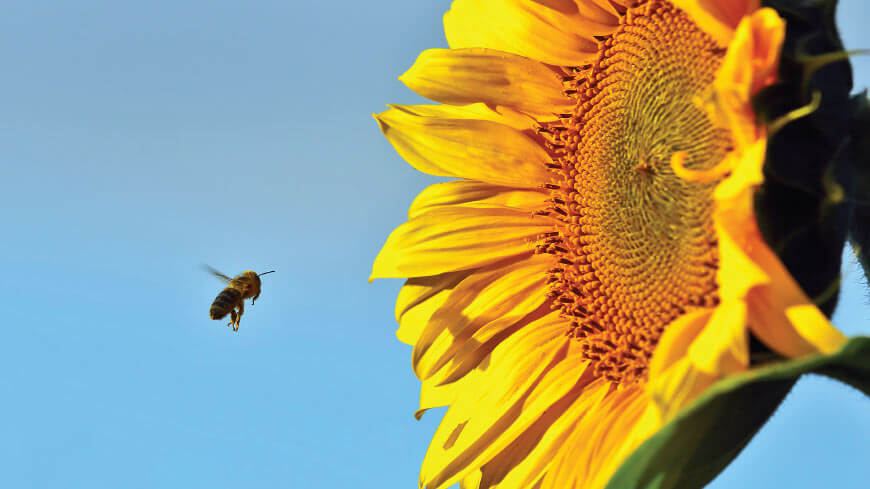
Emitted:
<point x="143" y="140"/>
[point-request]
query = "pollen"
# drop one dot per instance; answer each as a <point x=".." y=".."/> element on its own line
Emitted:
<point x="635" y="246"/>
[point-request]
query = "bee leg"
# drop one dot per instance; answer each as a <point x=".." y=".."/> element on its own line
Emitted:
<point x="232" y="318"/>
<point x="239" y="317"/>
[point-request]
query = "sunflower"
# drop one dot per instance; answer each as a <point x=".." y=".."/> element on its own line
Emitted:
<point x="598" y="263"/>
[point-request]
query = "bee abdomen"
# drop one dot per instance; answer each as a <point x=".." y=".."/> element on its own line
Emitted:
<point x="224" y="303"/>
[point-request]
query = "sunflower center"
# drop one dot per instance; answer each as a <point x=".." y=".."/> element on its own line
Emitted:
<point x="635" y="246"/>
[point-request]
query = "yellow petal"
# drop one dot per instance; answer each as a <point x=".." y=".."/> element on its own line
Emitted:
<point x="558" y="36"/>
<point x="600" y="442"/>
<point x="534" y="375"/>
<point x="750" y="64"/>
<point x="465" y="76"/>
<point x="676" y="374"/>
<point x="413" y="321"/>
<point x="433" y="394"/>
<point x="457" y="238"/>
<point x="646" y="422"/>
<point x="451" y="145"/>
<point x="746" y="176"/>
<point x="676" y="339"/>
<point x="479" y="313"/>
<point x="778" y="311"/>
<point x="677" y="387"/>
<point x="504" y="115"/>
<point x="600" y="11"/>
<point x="446" y="360"/>
<point x="524" y="462"/>
<point x="471" y="481"/>
<point x="475" y="194"/>
<point x="718" y="18"/>
<point x="418" y="299"/>
<point x="722" y="348"/>
<point x="812" y="325"/>
<point x="784" y="318"/>
<point x="612" y="6"/>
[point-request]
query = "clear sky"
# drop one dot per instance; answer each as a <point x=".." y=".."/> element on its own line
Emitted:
<point x="141" y="140"/>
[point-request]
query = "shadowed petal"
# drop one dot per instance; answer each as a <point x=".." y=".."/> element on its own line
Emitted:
<point x="555" y="32"/>
<point x="465" y="76"/>
<point x="442" y="140"/>
<point x="457" y="238"/>
<point x="475" y="194"/>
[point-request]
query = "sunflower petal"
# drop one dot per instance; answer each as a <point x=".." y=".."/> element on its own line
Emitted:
<point x="722" y="348"/>
<point x="719" y="18"/>
<point x="433" y="394"/>
<point x="778" y="311"/>
<point x="479" y="111"/>
<point x="782" y="316"/>
<point x="677" y="339"/>
<point x="675" y="378"/>
<point x="525" y="462"/>
<point x="590" y="454"/>
<point x="465" y="76"/>
<point x="677" y="387"/>
<point x="453" y="360"/>
<point x="557" y="36"/>
<point x="535" y="374"/>
<point x="413" y="321"/>
<point x="750" y="64"/>
<point x="475" y="194"/>
<point x="442" y="141"/>
<point x="420" y="289"/>
<point x="457" y="238"/>
<point x="418" y="299"/>
<point x="481" y="310"/>
<point x="471" y="481"/>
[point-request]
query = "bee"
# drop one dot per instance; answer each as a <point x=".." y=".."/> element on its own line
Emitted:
<point x="244" y="286"/>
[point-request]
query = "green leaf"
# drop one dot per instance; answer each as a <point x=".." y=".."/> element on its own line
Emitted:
<point x="695" y="446"/>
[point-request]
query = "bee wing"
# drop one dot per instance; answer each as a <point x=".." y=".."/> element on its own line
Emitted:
<point x="217" y="273"/>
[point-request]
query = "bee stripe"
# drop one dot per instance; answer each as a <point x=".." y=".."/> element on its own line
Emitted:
<point x="224" y="303"/>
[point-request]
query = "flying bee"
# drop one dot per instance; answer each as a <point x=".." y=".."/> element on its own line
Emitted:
<point x="244" y="286"/>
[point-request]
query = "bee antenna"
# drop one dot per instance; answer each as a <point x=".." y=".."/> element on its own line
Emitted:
<point x="264" y="273"/>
